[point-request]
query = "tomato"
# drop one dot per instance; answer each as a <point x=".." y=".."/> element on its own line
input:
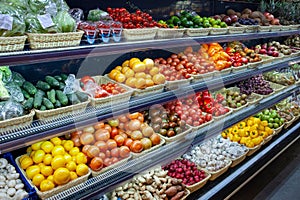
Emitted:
<point x="208" y="117"/>
<point x="86" y="79"/>
<point x="119" y="139"/>
<point x="96" y="164"/>
<point x="114" y="132"/>
<point x="115" y="152"/>
<point x="76" y="133"/>
<point x="111" y="144"/>
<point x="87" y="138"/>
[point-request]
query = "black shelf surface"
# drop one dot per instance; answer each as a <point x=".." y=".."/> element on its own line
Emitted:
<point x="109" y="180"/>
<point x="23" y="137"/>
<point x="50" y="55"/>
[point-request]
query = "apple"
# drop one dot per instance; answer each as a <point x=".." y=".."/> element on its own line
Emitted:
<point x="270" y="53"/>
<point x="263" y="51"/>
<point x="264" y="46"/>
<point x="234" y="18"/>
<point x="227" y="20"/>
<point x="275" y="54"/>
<point x="217" y="17"/>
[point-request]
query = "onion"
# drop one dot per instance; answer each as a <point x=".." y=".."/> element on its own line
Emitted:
<point x="134" y="125"/>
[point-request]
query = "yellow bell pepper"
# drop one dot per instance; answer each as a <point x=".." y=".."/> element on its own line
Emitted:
<point x="242" y="133"/>
<point x="258" y="140"/>
<point x="269" y="130"/>
<point x="235" y="130"/>
<point x="244" y="140"/>
<point x="263" y="134"/>
<point x="261" y="127"/>
<point x="250" y="144"/>
<point x="247" y="133"/>
<point x="230" y="136"/>
<point x="247" y="128"/>
<point x="242" y="125"/>
<point x="249" y="122"/>
<point x="253" y="133"/>
<point x="254" y="127"/>
<point x="224" y="134"/>
<point x="264" y="123"/>
<point x="256" y="120"/>
<point x="229" y="130"/>
<point x="236" y="138"/>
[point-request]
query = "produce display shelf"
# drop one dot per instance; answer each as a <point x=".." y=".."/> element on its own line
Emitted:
<point x="58" y="54"/>
<point x="107" y="181"/>
<point x="235" y="178"/>
<point x="23" y="137"/>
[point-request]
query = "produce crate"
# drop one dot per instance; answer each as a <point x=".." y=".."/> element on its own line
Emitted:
<point x="200" y="77"/>
<point x="264" y="28"/>
<point x="54" y="40"/>
<point x="276" y="87"/>
<point x="254" y="149"/>
<point x="236" y="30"/>
<point x="268" y="139"/>
<point x="200" y="184"/>
<point x="194" y="32"/>
<point x="113" y="99"/>
<point x="8" y="44"/>
<point x="278" y="130"/>
<point x="170" y="33"/>
<point x="121" y="162"/>
<point x="239" y="108"/>
<point x="178" y="136"/>
<point x="224" y="71"/>
<point x="218" y="173"/>
<point x="136" y="155"/>
<point x="149" y="90"/>
<point x="289" y="123"/>
<point x="240" y="68"/>
<point x="56" y="190"/>
<point x="295" y="27"/>
<point x="29" y="189"/>
<point x="178" y="83"/>
<point x="266" y="59"/>
<point x="17" y="122"/>
<point x="275" y="28"/>
<point x="218" y="31"/>
<point x="140" y="34"/>
<point x="61" y="112"/>
<point x="186" y="196"/>
<point x="254" y="65"/>
<point x="238" y="160"/>
<point x="251" y="28"/>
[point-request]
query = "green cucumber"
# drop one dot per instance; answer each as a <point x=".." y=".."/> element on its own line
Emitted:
<point x="73" y="98"/>
<point x="82" y="96"/>
<point x="58" y="78"/>
<point x="28" y="104"/>
<point x="64" y="77"/>
<point x="57" y="104"/>
<point x="52" y="81"/>
<point x="62" y="97"/>
<point x="38" y="98"/>
<point x="43" y="85"/>
<point x="47" y="103"/>
<point x="62" y="86"/>
<point x="29" y="87"/>
<point x="25" y="94"/>
<point x="51" y="96"/>
<point x="43" y="108"/>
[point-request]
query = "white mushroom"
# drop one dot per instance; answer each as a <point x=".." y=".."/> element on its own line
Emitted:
<point x="19" y="186"/>
<point x="3" y="162"/>
<point x="12" y="183"/>
<point x="20" y="194"/>
<point x="11" y="191"/>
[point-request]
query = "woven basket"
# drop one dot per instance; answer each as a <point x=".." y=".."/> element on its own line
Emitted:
<point x="200" y="77"/>
<point x="264" y="28"/>
<point x="254" y="98"/>
<point x="289" y="123"/>
<point x="294" y="27"/>
<point x="218" y="173"/>
<point x="113" y="99"/>
<point x="236" y="30"/>
<point x="140" y="33"/>
<point x="56" y="190"/>
<point x="170" y="33"/>
<point x="188" y="193"/>
<point x="251" y="29"/>
<point x="254" y="149"/>
<point x="223" y="116"/>
<point x="60" y="112"/>
<point x="275" y="28"/>
<point x="149" y="90"/>
<point x="238" y="160"/>
<point x="178" y="136"/>
<point x="194" y="32"/>
<point x="17" y="122"/>
<point x="8" y="44"/>
<point x="121" y="162"/>
<point x="239" y="108"/>
<point x="278" y="130"/>
<point x="225" y="71"/>
<point x="254" y="65"/>
<point x="197" y="186"/>
<point x="218" y="31"/>
<point x="285" y="28"/>
<point x="54" y="40"/>
<point x="276" y="87"/>
<point x="136" y="155"/>
<point x="268" y="139"/>
<point x="240" y="69"/>
<point x="178" y="83"/>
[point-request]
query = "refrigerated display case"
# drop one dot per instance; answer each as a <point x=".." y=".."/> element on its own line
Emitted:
<point x="99" y="59"/>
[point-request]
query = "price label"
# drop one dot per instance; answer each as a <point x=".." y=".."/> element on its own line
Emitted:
<point x="45" y="20"/>
<point x="6" y="22"/>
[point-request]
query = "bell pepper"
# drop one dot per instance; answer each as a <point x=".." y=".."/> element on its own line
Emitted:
<point x="253" y="133"/>
<point x="261" y="127"/>
<point x="242" y="125"/>
<point x="230" y="50"/>
<point x="269" y="130"/>
<point x="249" y="122"/>
<point x="242" y="133"/>
<point x="264" y="134"/>
<point x="236" y="138"/>
<point x="264" y="123"/>
<point x="250" y="144"/>
<point x="224" y="134"/>
<point x="254" y="127"/>
<point x="230" y="136"/>
<point x="256" y="120"/>
<point x="257" y="140"/>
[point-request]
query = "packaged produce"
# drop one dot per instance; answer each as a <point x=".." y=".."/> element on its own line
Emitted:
<point x="34" y="26"/>
<point x="10" y="109"/>
<point x="65" y="23"/>
<point x="98" y="15"/>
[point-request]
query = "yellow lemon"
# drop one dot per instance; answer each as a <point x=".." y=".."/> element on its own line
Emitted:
<point x="74" y="151"/>
<point x="46" y="185"/>
<point x="73" y="175"/>
<point x="71" y="166"/>
<point x="32" y="171"/>
<point x="58" y="150"/>
<point x="68" y="157"/>
<point x="58" y="161"/>
<point x="68" y="145"/>
<point x="47" y="170"/>
<point x="61" y="176"/>
<point x="36" y="146"/>
<point x="26" y="162"/>
<point x="41" y="165"/>
<point x="81" y="158"/>
<point x="56" y="141"/>
<point x="47" y="146"/>
<point x="82" y="169"/>
<point x="38" y="156"/>
<point x="37" y="179"/>
<point x="22" y="157"/>
<point x="47" y="159"/>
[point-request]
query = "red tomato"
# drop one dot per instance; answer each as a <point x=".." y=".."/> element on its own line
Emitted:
<point x="114" y="132"/>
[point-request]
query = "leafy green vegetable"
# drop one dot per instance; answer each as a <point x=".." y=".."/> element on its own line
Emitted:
<point x="96" y="15"/>
<point x="6" y="74"/>
<point x="64" y="22"/>
<point x="38" y="6"/>
<point x="34" y="26"/>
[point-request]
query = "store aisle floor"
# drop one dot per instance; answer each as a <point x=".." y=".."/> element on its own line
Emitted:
<point x="278" y="181"/>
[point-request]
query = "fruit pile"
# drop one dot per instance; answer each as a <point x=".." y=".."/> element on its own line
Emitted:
<point x="137" y="74"/>
<point x="232" y="99"/>
<point x="186" y="171"/>
<point x="166" y="124"/>
<point x="280" y="77"/>
<point x="272" y="117"/>
<point x="286" y="116"/>
<point x="89" y="85"/>
<point x="273" y="49"/>
<point x="250" y="132"/>
<point x="52" y="163"/>
<point x="289" y="106"/>
<point x="240" y="54"/>
<point x="256" y="84"/>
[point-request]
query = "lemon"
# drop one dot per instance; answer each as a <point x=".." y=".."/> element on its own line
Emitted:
<point x="74" y="151"/>
<point x="58" y="161"/>
<point x="26" y="162"/>
<point x="38" y="156"/>
<point x="68" y="145"/>
<point x="58" y="150"/>
<point x="36" y="146"/>
<point x="61" y="176"/>
<point x="82" y="169"/>
<point x="68" y="157"/>
<point x="32" y="171"/>
<point x="41" y="165"/>
<point x="73" y="175"/>
<point x="22" y="157"/>
<point x="46" y="185"/>
<point x="37" y="179"/>
<point x="81" y="158"/>
<point x="47" y="159"/>
<point x="56" y="141"/>
<point x="47" y="146"/>
<point x="47" y="170"/>
<point x="71" y="166"/>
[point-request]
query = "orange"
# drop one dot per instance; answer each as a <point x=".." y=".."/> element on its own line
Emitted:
<point x="36" y="146"/>
<point x="82" y="169"/>
<point x="74" y="151"/>
<point x="26" y="162"/>
<point x="46" y="185"/>
<point x="61" y="176"/>
<point x="58" y="161"/>
<point x="47" y="146"/>
<point x="73" y="175"/>
<point x="47" y="159"/>
<point x="47" y="170"/>
<point x="71" y="166"/>
<point x="32" y="171"/>
<point x="58" y="150"/>
<point x="68" y="145"/>
<point x="37" y="179"/>
<point x="81" y="158"/>
<point x="38" y="156"/>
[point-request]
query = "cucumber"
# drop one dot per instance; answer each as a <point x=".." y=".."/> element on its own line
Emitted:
<point x="38" y="98"/>
<point x="43" y="85"/>
<point x="52" y="81"/>
<point x="73" y="99"/>
<point x="47" y="103"/>
<point x="62" y="86"/>
<point x="58" y="78"/>
<point x="51" y="96"/>
<point x="25" y="94"/>
<point x="29" y="87"/>
<point x="64" y="77"/>
<point x="43" y="108"/>
<point x="57" y="104"/>
<point x="62" y="97"/>
<point x="82" y="96"/>
<point x="28" y="104"/>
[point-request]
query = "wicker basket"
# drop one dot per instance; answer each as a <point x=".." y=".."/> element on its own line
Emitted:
<point x="275" y="28"/>
<point x="149" y="90"/>
<point x="289" y="123"/>
<point x="254" y="98"/>
<point x="60" y="112"/>
<point x="200" y="77"/>
<point x="268" y="139"/>
<point x="17" y="122"/>
<point x="266" y="59"/>
<point x="236" y="30"/>
<point x="178" y="136"/>
<point x="285" y="28"/>
<point x="254" y="65"/>
<point x="54" y="40"/>
<point x="240" y="159"/>
<point x="8" y="44"/>
<point x="140" y="33"/>
<point x="194" y="32"/>
<point x="121" y="162"/>
<point x="240" y="69"/>
<point x="276" y="87"/>
<point x="110" y="100"/>
<point x="251" y="29"/>
<point x="239" y="108"/>
<point x="136" y="155"/>
<point x="218" y="173"/>
<point x="264" y="28"/>
<point x="197" y="186"/>
<point x="294" y="27"/>
<point x="188" y="193"/>
<point x="170" y="33"/>
<point x="56" y="190"/>
<point x="254" y="149"/>
<point x="218" y="31"/>
<point x="278" y="130"/>
<point x="178" y="83"/>
<point x="224" y="71"/>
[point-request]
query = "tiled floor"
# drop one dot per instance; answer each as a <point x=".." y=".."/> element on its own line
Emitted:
<point x="278" y="181"/>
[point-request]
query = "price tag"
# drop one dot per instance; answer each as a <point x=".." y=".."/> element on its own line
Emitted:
<point x="6" y="21"/>
<point x="45" y="20"/>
